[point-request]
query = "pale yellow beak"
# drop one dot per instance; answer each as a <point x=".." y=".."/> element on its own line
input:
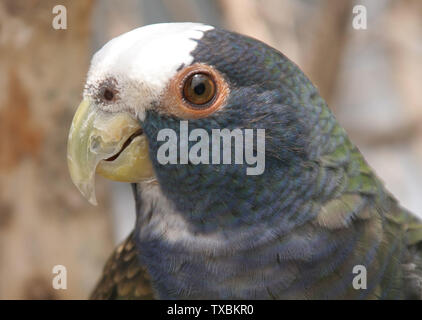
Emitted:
<point x="111" y="144"/>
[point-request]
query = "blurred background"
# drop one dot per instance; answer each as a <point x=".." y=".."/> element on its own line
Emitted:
<point x="371" y="79"/>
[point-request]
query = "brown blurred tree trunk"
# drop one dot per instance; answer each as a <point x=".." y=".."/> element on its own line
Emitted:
<point x="331" y="26"/>
<point x="278" y="23"/>
<point x="43" y="219"/>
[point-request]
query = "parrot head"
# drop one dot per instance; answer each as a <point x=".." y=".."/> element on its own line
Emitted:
<point x="154" y="77"/>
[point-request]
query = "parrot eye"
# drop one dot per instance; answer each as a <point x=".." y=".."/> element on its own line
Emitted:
<point x="199" y="89"/>
<point x="196" y="91"/>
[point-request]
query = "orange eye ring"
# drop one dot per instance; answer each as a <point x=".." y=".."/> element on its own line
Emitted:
<point x="181" y="100"/>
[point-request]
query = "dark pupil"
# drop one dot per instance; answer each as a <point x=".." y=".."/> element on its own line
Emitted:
<point x="199" y="89"/>
<point x="198" y="84"/>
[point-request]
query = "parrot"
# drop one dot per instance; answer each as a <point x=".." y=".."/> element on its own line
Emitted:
<point x="317" y="223"/>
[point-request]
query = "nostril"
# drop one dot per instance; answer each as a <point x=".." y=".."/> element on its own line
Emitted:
<point x="108" y="95"/>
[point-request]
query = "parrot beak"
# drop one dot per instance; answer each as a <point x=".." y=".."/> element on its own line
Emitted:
<point x="111" y="144"/>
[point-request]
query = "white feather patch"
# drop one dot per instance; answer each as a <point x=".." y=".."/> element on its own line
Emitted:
<point x="143" y="61"/>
